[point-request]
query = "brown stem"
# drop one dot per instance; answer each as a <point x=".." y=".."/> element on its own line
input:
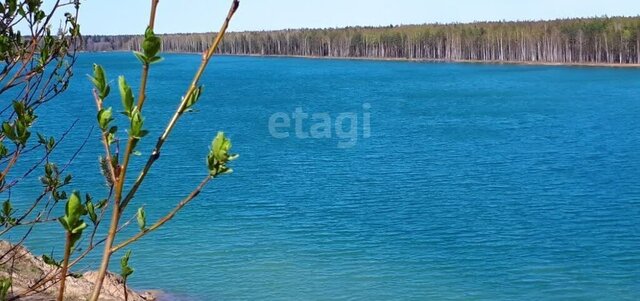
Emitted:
<point x="126" y="293"/>
<point x="118" y="205"/>
<point x="152" y="15"/>
<point x="119" y="183"/>
<point x="174" y="119"/>
<point x="105" y="143"/>
<point x="65" y="266"/>
<point x="106" y="255"/>
<point x="145" y="66"/>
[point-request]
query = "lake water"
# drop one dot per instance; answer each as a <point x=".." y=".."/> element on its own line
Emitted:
<point x="470" y="182"/>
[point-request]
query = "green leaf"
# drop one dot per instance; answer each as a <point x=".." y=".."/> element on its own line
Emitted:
<point x="5" y="215"/>
<point x="50" y="260"/>
<point x="91" y="210"/>
<point x="60" y="196"/>
<point x="99" y="80"/>
<point x="105" y="92"/>
<point x="67" y="179"/>
<point x="126" y="95"/>
<point x="221" y="146"/>
<point x="18" y="107"/>
<point x="141" y="57"/>
<point x="12" y="6"/>
<point x="155" y="59"/>
<point x="148" y="33"/>
<point x="142" y="218"/>
<point x="7" y="208"/>
<point x="219" y="155"/>
<point x="49" y="168"/>
<point x="74" y="210"/>
<point x="3" y="150"/>
<point x="63" y="222"/>
<point x="22" y="12"/>
<point x="105" y="116"/>
<point x="50" y="144"/>
<point x="101" y="204"/>
<point x="111" y="134"/>
<point x="151" y="44"/>
<point x="78" y="229"/>
<point x="194" y="97"/>
<point x="9" y="131"/>
<point x="99" y="75"/>
<point x="125" y="269"/>
<point x="75" y="237"/>
<point x="137" y="121"/>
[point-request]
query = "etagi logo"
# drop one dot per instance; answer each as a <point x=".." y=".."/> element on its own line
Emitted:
<point x="321" y="126"/>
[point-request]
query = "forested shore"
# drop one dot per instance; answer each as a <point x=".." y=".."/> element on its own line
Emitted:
<point x="569" y="41"/>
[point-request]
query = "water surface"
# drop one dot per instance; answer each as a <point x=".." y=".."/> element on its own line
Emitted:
<point x="479" y="182"/>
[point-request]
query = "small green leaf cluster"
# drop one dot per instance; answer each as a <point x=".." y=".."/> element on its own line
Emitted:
<point x="18" y="130"/>
<point x="53" y="181"/>
<point x="4" y="151"/>
<point x="6" y="214"/>
<point x="125" y="269"/>
<point x="99" y="80"/>
<point x="136" y="131"/>
<point x="12" y="43"/>
<point x="27" y="57"/>
<point x="72" y="221"/>
<point x="150" y="48"/>
<point x="137" y="121"/>
<point x="105" y="115"/>
<point x="50" y="260"/>
<point x="91" y="208"/>
<point x="219" y="156"/>
<point x="48" y="143"/>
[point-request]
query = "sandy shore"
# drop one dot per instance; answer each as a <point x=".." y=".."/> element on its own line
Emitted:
<point x="25" y="269"/>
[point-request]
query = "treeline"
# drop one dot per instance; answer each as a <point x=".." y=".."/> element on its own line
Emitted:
<point x="589" y="40"/>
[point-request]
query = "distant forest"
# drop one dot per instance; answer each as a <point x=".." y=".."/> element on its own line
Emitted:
<point x="590" y="40"/>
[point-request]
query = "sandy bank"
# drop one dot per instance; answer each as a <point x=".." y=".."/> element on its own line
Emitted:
<point x="25" y="270"/>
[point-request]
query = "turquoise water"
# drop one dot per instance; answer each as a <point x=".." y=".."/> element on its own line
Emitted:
<point x="478" y="182"/>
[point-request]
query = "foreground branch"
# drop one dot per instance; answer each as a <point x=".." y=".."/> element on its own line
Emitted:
<point x="166" y="218"/>
<point x="119" y="203"/>
<point x="181" y="108"/>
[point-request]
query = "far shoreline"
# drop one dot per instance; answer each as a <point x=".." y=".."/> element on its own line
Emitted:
<point x="444" y="61"/>
<point x="380" y="59"/>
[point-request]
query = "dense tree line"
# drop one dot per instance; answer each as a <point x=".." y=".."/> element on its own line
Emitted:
<point x="590" y="40"/>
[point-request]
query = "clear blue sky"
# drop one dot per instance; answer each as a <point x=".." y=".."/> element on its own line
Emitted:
<point x="131" y="16"/>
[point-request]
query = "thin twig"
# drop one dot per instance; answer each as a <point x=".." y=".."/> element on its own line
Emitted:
<point x="155" y="154"/>
<point x="166" y="218"/>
